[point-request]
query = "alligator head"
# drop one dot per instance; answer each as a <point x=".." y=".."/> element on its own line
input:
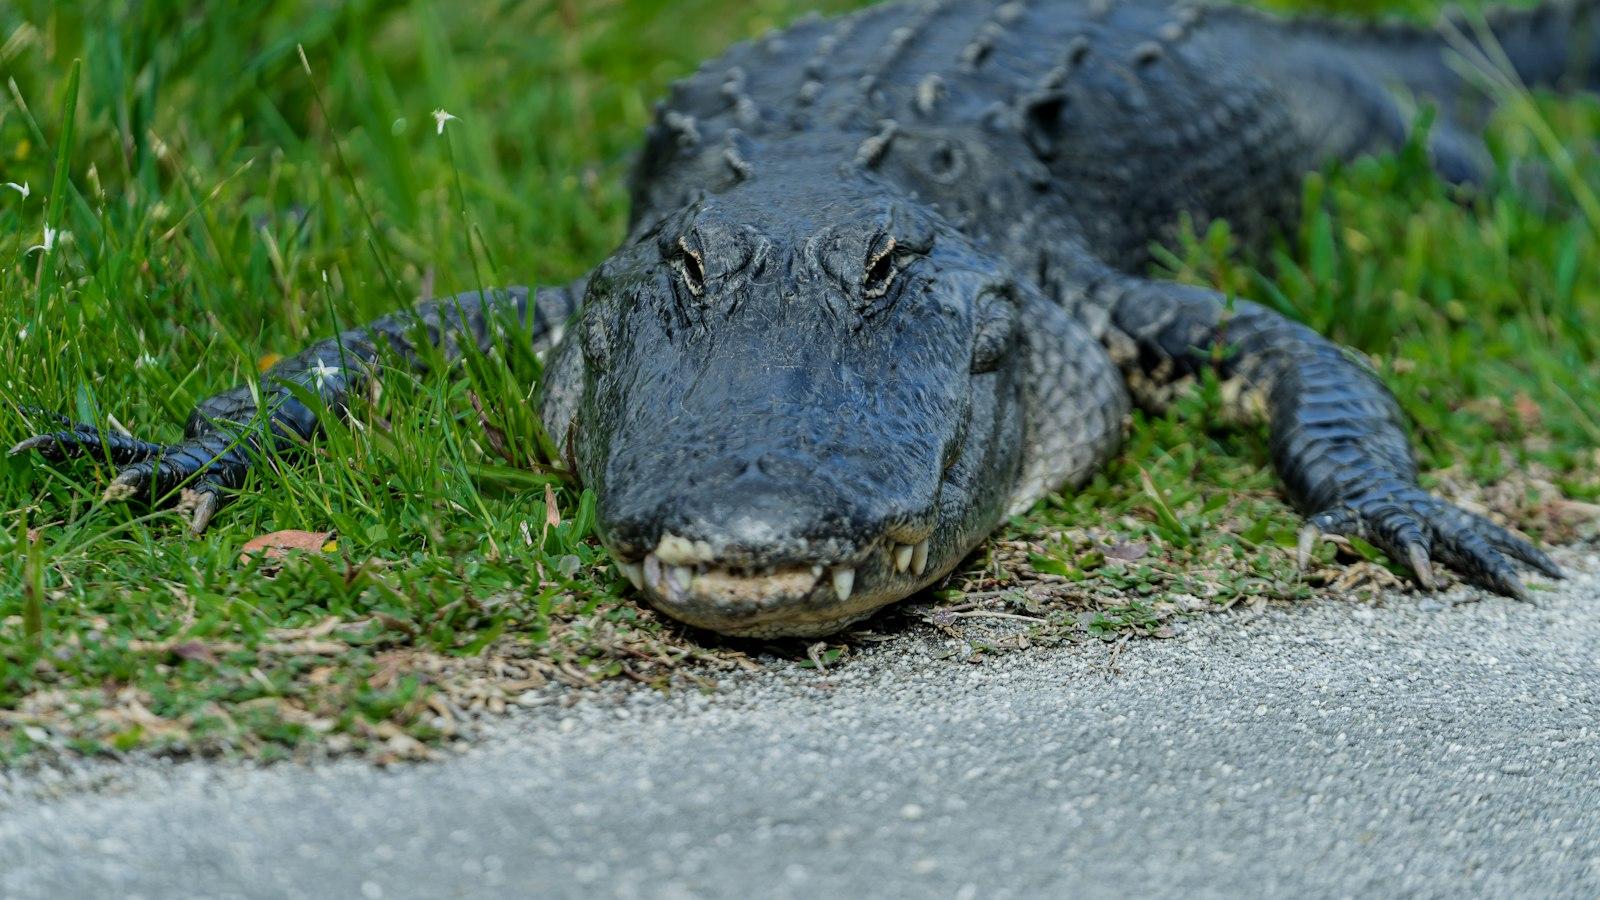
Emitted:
<point x="793" y="412"/>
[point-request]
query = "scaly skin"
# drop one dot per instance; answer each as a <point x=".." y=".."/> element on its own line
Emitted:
<point x="880" y="287"/>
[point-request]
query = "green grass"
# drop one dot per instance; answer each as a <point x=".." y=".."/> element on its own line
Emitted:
<point x="226" y="205"/>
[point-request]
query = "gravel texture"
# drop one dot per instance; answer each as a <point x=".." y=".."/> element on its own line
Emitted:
<point x="1423" y="747"/>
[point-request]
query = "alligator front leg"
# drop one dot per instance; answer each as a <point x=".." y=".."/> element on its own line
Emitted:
<point x="230" y="430"/>
<point x="1336" y="433"/>
<point x="1075" y="402"/>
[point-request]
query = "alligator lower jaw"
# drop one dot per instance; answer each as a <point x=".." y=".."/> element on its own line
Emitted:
<point x="800" y="601"/>
<point x="764" y="630"/>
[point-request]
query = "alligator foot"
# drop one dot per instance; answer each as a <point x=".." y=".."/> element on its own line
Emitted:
<point x="1415" y="529"/>
<point x="197" y="468"/>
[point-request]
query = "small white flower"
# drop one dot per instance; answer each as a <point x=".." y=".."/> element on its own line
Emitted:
<point x="50" y="235"/>
<point x="20" y="188"/>
<point x="440" y="117"/>
<point x="22" y="334"/>
<point x="322" y="372"/>
<point x="144" y="361"/>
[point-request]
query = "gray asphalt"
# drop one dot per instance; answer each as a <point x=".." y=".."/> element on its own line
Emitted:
<point x="1417" y="748"/>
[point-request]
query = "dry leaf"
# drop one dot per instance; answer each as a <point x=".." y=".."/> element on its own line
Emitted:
<point x="278" y="544"/>
<point x="552" y="512"/>
<point x="1528" y="411"/>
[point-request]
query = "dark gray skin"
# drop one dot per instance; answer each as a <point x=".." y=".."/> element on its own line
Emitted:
<point x="881" y="288"/>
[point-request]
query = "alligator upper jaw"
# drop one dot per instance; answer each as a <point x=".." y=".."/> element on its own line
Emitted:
<point x="786" y="601"/>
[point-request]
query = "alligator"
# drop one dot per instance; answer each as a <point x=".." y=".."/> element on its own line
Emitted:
<point x="884" y="285"/>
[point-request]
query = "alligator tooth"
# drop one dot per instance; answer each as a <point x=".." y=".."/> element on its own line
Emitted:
<point x="635" y="573"/>
<point x="680" y="576"/>
<point x="902" y="556"/>
<point x="844" y="581"/>
<point x="919" y="557"/>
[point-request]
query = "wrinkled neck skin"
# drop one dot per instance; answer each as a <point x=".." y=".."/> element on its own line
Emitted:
<point x="800" y="399"/>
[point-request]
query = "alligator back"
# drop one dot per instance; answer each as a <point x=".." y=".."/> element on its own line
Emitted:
<point x="1125" y="116"/>
<point x="1106" y="121"/>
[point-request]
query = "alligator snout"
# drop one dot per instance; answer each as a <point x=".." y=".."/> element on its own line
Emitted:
<point x="769" y="553"/>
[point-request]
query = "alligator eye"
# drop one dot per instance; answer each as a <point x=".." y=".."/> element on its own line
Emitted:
<point x="691" y="269"/>
<point x="880" y="269"/>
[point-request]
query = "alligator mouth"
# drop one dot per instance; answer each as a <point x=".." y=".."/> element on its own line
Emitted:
<point x="778" y="601"/>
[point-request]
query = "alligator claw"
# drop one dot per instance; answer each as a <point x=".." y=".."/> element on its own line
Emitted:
<point x="201" y="467"/>
<point x="1417" y="529"/>
<point x="201" y="502"/>
<point x="1417" y="561"/>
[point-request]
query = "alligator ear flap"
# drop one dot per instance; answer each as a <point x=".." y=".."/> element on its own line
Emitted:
<point x="1042" y="118"/>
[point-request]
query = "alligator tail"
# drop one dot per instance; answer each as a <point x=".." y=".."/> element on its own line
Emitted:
<point x="1554" y="45"/>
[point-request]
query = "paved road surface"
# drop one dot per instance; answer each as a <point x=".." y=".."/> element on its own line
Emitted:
<point x="1414" y="749"/>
